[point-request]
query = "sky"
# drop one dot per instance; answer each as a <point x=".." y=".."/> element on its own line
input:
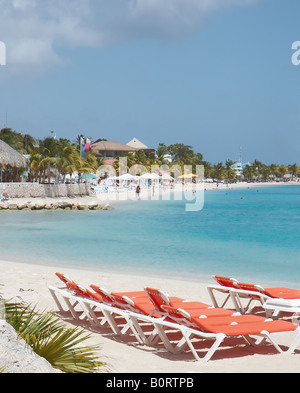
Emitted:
<point x="213" y="74"/>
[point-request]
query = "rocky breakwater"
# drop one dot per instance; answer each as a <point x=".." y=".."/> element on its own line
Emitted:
<point x="56" y="205"/>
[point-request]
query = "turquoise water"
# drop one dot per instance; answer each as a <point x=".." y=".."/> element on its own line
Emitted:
<point x="244" y="233"/>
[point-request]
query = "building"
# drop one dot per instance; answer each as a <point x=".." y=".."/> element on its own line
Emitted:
<point x="138" y="145"/>
<point x="111" y="149"/>
<point x="238" y="168"/>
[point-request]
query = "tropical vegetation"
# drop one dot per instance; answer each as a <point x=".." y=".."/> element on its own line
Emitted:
<point x="48" y="337"/>
<point x="51" y="157"/>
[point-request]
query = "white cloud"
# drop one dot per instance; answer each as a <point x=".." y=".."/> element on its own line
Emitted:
<point x="33" y="29"/>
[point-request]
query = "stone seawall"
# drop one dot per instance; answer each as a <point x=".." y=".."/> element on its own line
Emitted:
<point x="36" y="190"/>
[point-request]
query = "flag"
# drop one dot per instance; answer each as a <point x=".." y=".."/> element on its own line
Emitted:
<point x="82" y="149"/>
<point x="87" y="146"/>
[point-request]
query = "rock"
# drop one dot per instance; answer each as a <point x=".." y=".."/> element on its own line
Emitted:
<point x="40" y="206"/>
<point x="49" y="206"/>
<point x="18" y="357"/>
<point x="37" y="206"/>
<point x="13" y="206"/>
<point x="94" y="206"/>
<point x="107" y="207"/>
<point x="65" y="205"/>
<point x="82" y="206"/>
<point x="22" y="206"/>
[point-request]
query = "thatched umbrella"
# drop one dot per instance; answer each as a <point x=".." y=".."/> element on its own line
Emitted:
<point x="9" y="156"/>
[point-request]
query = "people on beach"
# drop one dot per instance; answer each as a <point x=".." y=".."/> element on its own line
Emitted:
<point x="138" y="190"/>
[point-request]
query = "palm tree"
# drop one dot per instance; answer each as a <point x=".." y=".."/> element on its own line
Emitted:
<point x="274" y="170"/>
<point x="182" y="153"/>
<point x="218" y="171"/>
<point x="207" y="169"/>
<point x="65" y="160"/>
<point x="49" y="338"/>
<point x="230" y="174"/>
<point x="82" y="166"/>
<point x="39" y="164"/>
<point x="283" y="170"/>
<point x="131" y="160"/>
<point x="249" y="172"/>
<point x="161" y="151"/>
<point x="265" y="172"/>
<point x="293" y="170"/>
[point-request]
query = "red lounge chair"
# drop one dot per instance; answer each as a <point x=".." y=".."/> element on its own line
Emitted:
<point x="236" y="291"/>
<point x="63" y="277"/>
<point x="92" y="301"/>
<point x="83" y="292"/>
<point x="110" y="298"/>
<point x="72" y="294"/>
<point x="134" y="301"/>
<point x="83" y="304"/>
<point x="160" y="298"/>
<point x="145" y="307"/>
<point x="220" y="327"/>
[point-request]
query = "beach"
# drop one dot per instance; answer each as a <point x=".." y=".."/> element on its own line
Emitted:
<point x="119" y="195"/>
<point x="29" y="282"/>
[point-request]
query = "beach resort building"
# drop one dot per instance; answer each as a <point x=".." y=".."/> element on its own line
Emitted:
<point x="110" y="150"/>
<point x="238" y="168"/>
<point x="138" y="145"/>
<point x="11" y="163"/>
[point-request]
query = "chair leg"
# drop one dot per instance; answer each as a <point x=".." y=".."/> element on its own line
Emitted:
<point x="294" y="344"/>
<point x="162" y="334"/>
<point x="214" y="347"/>
<point x="218" y="339"/>
<point x="112" y="323"/>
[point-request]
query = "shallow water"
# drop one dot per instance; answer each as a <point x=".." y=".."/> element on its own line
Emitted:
<point x="243" y="233"/>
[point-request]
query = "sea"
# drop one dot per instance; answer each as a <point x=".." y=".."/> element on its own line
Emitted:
<point x="251" y="234"/>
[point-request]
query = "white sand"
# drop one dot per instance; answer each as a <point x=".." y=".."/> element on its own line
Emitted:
<point x="30" y="283"/>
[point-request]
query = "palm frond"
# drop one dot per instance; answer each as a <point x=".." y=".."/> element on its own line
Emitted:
<point x="46" y="334"/>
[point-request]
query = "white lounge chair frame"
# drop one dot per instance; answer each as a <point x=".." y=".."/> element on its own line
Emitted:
<point x="160" y="326"/>
<point x="274" y="307"/>
<point x="237" y="296"/>
<point x="87" y="311"/>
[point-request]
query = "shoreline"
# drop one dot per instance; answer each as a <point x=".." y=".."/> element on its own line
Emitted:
<point x="116" y="197"/>
<point x="128" y="357"/>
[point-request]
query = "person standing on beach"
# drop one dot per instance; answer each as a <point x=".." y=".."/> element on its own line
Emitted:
<point x="138" y="190"/>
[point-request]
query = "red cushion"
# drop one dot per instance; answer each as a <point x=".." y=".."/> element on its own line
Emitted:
<point x="283" y="293"/>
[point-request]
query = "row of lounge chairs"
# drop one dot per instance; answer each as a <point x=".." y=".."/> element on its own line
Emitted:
<point x="151" y="316"/>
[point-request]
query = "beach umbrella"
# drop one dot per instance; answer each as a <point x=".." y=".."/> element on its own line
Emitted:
<point x="113" y="178"/>
<point x="90" y="176"/>
<point x="189" y="176"/>
<point x="151" y="176"/>
<point x="126" y="176"/>
<point x="24" y="174"/>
